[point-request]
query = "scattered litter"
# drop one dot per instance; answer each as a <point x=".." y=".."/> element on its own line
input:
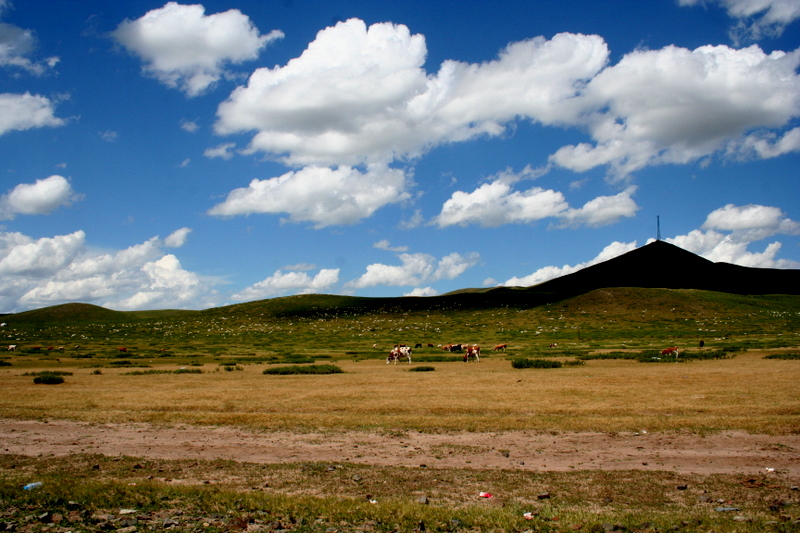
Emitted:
<point x="725" y="509"/>
<point x="31" y="486"/>
<point x="486" y="495"/>
<point x="373" y="501"/>
<point x="528" y="516"/>
<point x="770" y="469"/>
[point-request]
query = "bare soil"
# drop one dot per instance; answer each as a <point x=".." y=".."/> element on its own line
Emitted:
<point x="689" y="453"/>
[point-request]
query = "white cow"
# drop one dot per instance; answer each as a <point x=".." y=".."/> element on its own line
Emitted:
<point x="12" y="348"/>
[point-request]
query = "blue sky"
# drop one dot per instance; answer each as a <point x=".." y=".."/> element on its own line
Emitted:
<point x="164" y="155"/>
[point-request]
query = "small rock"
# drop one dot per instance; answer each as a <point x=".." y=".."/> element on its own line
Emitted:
<point x="170" y="522"/>
<point x="423" y="500"/>
<point x="682" y="487"/>
<point x="45" y="518"/>
<point x="128" y="529"/>
<point x="543" y="496"/>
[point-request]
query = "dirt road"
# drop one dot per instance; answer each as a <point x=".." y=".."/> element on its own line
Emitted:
<point x="729" y="452"/>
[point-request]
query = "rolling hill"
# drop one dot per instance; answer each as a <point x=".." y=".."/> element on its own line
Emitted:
<point x="658" y="265"/>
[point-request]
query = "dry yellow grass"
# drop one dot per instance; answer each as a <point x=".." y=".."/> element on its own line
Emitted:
<point x="746" y="392"/>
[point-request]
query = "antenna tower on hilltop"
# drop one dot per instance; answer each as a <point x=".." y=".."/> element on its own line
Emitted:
<point x="658" y="227"/>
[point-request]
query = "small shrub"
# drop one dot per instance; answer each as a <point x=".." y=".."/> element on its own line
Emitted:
<point x="297" y="369"/>
<point x="522" y="362"/>
<point x="421" y="369"/>
<point x="439" y="358"/>
<point x="48" y="378"/>
<point x="794" y="355"/>
<point x="5" y="363"/>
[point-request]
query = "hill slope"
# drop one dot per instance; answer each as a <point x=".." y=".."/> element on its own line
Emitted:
<point x="663" y="265"/>
<point x="655" y="265"/>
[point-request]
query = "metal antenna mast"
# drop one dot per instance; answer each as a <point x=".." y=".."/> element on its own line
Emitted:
<point x="658" y="227"/>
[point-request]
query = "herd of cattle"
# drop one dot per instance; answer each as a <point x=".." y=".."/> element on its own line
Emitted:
<point x="470" y="351"/>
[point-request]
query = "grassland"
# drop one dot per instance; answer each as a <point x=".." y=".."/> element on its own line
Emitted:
<point x="228" y="349"/>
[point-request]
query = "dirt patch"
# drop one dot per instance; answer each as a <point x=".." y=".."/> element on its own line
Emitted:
<point x="719" y="453"/>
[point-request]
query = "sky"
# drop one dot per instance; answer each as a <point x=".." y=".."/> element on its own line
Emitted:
<point x="159" y="155"/>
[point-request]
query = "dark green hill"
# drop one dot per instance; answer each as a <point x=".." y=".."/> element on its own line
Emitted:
<point x="663" y="265"/>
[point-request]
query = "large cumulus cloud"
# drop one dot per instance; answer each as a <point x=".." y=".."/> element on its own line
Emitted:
<point x="185" y="48"/>
<point x="63" y="268"/>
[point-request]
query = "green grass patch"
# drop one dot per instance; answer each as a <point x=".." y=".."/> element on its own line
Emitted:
<point x="787" y="355"/>
<point x="49" y="378"/>
<point x="151" y="372"/>
<point x="524" y="362"/>
<point x="301" y="369"/>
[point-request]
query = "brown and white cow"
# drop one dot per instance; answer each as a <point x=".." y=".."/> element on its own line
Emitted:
<point x="473" y="351"/>
<point x="397" y="352"/>
<point x="499" y="347"/>
<point x="672" y="350"/>
<point x="12" y="348"/>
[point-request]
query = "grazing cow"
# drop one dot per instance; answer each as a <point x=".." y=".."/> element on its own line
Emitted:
<point x="60" y="348"/>
<point x="398" y="352"/>
<point x="418" y="345"/>
<point x="553" y="345"/>
<point x="77" y="346"/>
<point x="672" y="350"/>
<point x="430" y="345"/>
<point x="122" y="349"/>
<point x="702" y="343"/>
<point x="12" y="348"/>
<point x="35" y="348"/>
<point x="50" y="348"/>
<point x="499" y="347"/>
<point x="452" y="347"/>
<point x="473" y="351"/>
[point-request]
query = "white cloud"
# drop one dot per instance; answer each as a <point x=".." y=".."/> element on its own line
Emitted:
<point x="283" y="282"/>
<point x="26" y="111"/>
<point x="319" y="195"/>
<point x="182" y="47"/>
<point x="602" y="211"/>
<point x="422" y="291"/>
<point x="719" y="247"/>
<point x="386" y="245"/>
<point x="177" y="238"/>
<point x="415" y="270"/>
<point x="300" y="267"/>
<point x="676" y="106"/>
<point x="53" y="270"/>
<point x="360" y="95"/>
<point x="550" y="272"/>
<point x="39" y="198"/>
<point x="223" y="151"/>
<point x="189" y="125"/>
<point x="757" y="18"/>
<point x="493" y="204"/>
<point x="16" y="47"/>
<point x="496" y="203"/>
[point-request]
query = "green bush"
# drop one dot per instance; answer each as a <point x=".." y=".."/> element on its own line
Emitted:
<point x="48" y="378"/>
<point x="421" y="369"/>
<point x="297" y="369"/>
<point x="523" y="362"/>
<point x="793" y="355"/>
